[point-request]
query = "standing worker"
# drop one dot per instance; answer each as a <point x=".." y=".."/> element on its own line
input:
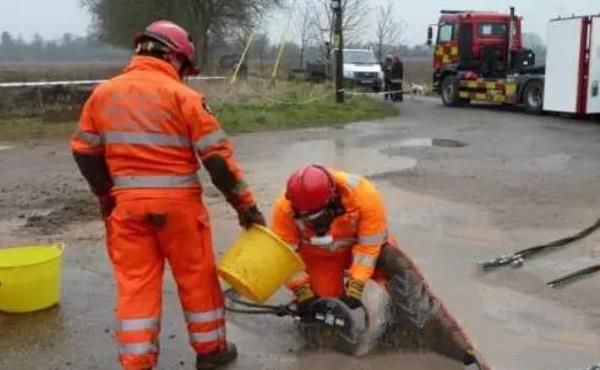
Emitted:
<point x="387" y="71"/>
<point x="397" y="79"/>
<point x="337" y="222"/>
<point x="139" y="142"/>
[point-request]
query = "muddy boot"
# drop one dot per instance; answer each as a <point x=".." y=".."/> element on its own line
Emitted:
<point x="216" y="360"/>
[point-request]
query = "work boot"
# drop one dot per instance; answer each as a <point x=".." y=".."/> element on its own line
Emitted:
<point x="216" y="360"/>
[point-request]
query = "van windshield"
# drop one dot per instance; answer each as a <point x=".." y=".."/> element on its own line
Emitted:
<point x="359" y="57"/>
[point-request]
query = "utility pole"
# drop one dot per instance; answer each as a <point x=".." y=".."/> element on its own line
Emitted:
<point x="338" y="45"/>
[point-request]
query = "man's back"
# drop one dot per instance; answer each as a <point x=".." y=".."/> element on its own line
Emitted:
<point x="149" y="127"/>
<point x="140" y="108"/>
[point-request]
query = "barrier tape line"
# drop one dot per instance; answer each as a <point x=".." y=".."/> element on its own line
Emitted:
<point x="378" y="93"/>
<point x="86" y="82"/>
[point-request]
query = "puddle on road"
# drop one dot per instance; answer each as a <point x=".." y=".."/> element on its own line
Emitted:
<point x="4" y="147"/>
<point x="338" y="154"/>
<point x="416" y="143"/>
<point x="430" y="142"/>
<point x="365" y="127"/>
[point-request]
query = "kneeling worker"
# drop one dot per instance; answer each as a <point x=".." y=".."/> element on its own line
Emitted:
<point x="337" y="222"/>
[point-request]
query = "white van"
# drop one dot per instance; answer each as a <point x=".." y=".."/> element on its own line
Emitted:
<point x="361" y="68"/>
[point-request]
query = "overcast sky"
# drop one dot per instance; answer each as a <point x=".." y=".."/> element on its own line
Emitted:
<point x="52" y="18"/>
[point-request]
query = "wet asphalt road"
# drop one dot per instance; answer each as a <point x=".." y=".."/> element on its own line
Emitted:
<point x="461" y="185"/>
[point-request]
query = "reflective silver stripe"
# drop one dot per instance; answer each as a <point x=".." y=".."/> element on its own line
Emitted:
<point x="138" y="348"/>
<point x="353" y="180"/>
<point x="327" y="242"/>
<point x="302" y="231"/>
<point x="322" y="241"/>
<point x="146" y="139"/>
<point x="209" y="140"/>
<point x="374" y="239"/>
<point x="342" y="243"/>
<point x="204" y="317"/>
<point x="170" y="181"/>
<point x="364" y="260"/>
<point x="209" y="336"/>
<point x="91" y="139"/>
<point x="336" y="244"/>
<point x="138" y="324"/>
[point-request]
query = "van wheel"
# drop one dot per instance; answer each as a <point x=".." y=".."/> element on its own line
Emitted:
<point x="533" y="97"/>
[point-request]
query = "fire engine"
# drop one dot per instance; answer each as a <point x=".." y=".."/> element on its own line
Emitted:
<point x="479" y="56"/>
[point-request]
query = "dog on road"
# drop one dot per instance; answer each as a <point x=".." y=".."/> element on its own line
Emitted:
<point x="418" y="90"/>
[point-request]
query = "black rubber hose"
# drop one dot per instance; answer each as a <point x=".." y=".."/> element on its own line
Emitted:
<point x="561" y="242"/>
<point x="257" y="309"/>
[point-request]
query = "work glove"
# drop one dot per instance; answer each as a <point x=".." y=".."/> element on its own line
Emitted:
<point x="470" y="361"/>
<point x="107" y="205"/>
<point x="251" y="216"/>
<point x="353" y="294"/>
<point x="304" y="298"/>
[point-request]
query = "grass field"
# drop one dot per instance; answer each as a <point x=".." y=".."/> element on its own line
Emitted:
<point x="417" y="70"/>
<point x="235" y="118"/>
<point x="254" y="105"/>
<point x="249" y="105"/>
<point x="56" y="71"/>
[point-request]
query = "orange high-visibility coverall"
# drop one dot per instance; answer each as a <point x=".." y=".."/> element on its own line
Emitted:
<point x="151" y="129"/>
<point x="355" y="239"/>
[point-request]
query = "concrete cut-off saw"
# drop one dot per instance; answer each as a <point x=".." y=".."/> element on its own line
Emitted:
<point x="328" y="323"/>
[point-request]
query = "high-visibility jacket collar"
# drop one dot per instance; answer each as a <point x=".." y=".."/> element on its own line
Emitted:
<point x="145" y="63"/>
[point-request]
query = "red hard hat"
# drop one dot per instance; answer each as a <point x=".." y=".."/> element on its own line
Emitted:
<point x="175" y="38"/>
<point x="310" y="189"/>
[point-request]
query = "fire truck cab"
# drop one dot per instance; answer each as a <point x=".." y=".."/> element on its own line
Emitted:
<point x="478" y="51"/>
<point x="479" y="56"/>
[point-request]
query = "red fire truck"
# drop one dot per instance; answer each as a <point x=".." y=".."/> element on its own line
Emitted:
<point x="479" y="56"/>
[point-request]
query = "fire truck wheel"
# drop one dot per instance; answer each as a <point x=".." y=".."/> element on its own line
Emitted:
<point x="450" y="91"/>
<point x="533" y="97"/>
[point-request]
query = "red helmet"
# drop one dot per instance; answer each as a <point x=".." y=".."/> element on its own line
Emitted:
<point x="175" y="38"/>
<point x="310" y="189"/>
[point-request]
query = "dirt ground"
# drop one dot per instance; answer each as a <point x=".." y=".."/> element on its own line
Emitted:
<point x="461" y="185"/>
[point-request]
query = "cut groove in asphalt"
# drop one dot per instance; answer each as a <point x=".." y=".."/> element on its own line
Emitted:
<point x="448" y="143"/>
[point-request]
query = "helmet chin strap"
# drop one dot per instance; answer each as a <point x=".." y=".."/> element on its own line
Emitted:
<point x="180" y="65"/>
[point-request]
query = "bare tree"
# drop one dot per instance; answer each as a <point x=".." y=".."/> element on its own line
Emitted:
<point x="260" y="49"/>
<point x="388" y="29"/>
<point x="240" y="36"/>
<point x="116" y="20"/>
<point x="355" y="19"/>
<point x="303" y="23"/>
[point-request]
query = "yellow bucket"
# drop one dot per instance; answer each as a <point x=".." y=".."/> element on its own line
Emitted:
<point x="258" y="264"/>
<point x="30" y="278"/>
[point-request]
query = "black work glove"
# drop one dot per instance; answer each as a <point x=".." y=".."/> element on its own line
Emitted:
<point x="351" y="302"/>
<point x="107" y="205"/>
<point x="353" y="295"/>
<point x="304" y="309"/>
<point x="251" y="216"/>
<point x="304" y="298"/>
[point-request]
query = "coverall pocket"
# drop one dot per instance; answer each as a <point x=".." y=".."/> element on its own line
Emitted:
<point x="202" y="218"/>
